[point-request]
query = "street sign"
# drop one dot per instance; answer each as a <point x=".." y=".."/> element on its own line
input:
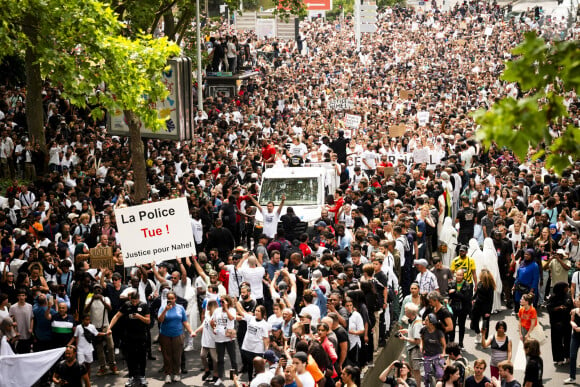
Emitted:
<point x="370" y="28"/>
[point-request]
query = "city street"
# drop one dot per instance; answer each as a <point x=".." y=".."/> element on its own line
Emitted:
<point x="553" y="376"/>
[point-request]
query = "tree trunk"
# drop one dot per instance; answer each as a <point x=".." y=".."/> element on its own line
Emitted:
<point x="169" y="22"/>
<point x="137" y="155"/>
<point x="34" y="107"/>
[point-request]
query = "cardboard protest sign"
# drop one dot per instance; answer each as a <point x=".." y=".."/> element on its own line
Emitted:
<point x="157" y="231"/>
<point x="397" y="130"/>
<point x="352" y="121"/>
<point x="101" y="257"/>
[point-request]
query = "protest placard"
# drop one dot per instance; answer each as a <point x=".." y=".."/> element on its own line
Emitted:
<point x="397" y="130"/>
<point x="101" y="257"/>
<point x="352" y="121"/>
<point x="340" y="104"/>
<point x="157" y="231"/>
<point x="423" y="118"/>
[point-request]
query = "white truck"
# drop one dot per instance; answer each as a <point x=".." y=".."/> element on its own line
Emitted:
<point x="305" y="187"/>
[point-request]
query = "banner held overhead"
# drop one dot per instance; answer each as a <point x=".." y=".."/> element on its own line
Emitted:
<point x="157" y="231"/>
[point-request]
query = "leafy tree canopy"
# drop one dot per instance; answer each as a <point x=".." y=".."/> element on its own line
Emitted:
<point x="538" y="123"/>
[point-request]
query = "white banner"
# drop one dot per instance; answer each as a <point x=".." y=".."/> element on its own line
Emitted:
<point x="157" y="231"/>
<point x="340" y="104"/>
<point x="352" y="121"/>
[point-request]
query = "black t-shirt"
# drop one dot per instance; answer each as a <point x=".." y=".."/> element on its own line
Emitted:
<point x="72" y="375"/>
<point x="534" y="371"/>
<point x="392" y="381"/>
<point x="466" y="217"/>
<point x="341" y="337"/>
<point x="470" y="382"/>
<point x="442" y="314"/>
<point x="135" y="328"/>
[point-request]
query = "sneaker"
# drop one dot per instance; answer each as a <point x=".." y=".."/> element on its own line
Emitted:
<point x="188" y="348"/>
<point x="117" y="351"/>
<point x="206" y="375"/>
<point x="102" y="371"/>
<point x="130" y="382"/>
<point x="478" y="338"/>
<point x="461" y="346"/>
<point x="177" y="378"/>
<point x="218" y="382"/>
<point x="167" y="378"/>
<point x="143" y="381"/>
<point x="114" y="370"/>
<point x="570" y="381"/>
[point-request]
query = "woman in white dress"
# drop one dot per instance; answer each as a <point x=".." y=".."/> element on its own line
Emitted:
<point x="490" y="263"/>
<point x="448" y="236"/>
<point x="475" y="252"/>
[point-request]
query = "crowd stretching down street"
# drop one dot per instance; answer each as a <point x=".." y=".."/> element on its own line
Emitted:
<point x="408" y="247"/>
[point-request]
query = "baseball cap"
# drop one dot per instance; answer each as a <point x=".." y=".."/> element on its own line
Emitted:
<point x="270" y="356"/>
<point x="342" y="276"/>
<point x="463" y="248"/>
<point x="321" y="224"/>
<point x="422" y="262"/>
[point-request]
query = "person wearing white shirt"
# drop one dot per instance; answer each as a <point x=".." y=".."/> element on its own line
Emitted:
<point x="257" y="337"/>
<point x="253" y="274"/>
<point x="356" y="328"/>
<point x="369" y="159"/>
<point x="300" y="360"/>
<point x="225" y="334"/>
<point x="270" y="216"/>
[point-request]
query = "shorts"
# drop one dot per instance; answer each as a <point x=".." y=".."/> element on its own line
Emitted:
<point x="85" y="357"/>
<point x="415" y="353"/>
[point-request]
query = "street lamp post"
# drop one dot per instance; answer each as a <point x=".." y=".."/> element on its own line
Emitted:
<point x="199" y="78"/>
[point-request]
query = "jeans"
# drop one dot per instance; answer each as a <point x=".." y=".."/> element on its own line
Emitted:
<point x="459" y="318"/>
<point x="221" y="350"/>
<point x="437" y="362"/>
<point x="574" y="346"/>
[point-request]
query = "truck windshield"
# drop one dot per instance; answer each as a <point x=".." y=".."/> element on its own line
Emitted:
<point x="299" y="192"/>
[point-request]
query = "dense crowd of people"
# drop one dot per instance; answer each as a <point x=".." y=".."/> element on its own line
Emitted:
<point x="409" y="247"/>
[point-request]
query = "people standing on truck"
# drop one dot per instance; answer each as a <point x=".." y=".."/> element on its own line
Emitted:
<point x="270" y="216"/>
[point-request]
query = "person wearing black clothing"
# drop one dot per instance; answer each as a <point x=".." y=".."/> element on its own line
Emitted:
<point x="289" y="222"/>
<point x="466" y="217"/>
<point x="535" y="365"/>
<point x="504" y="249"/>
<point x="559" y="307"/>
<point x="69" y="372"/>
<point x="249" y="306"/>
<point x="136" y="316"/>
<point x="483" y="302"/>
<point x="460" y="296"/>
<point x="222" y="239"/>
<point x="339" y="147"/>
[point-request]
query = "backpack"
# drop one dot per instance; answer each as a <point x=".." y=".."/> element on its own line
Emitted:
<point x="465" y="370"/>
<point x="89" y="336"/>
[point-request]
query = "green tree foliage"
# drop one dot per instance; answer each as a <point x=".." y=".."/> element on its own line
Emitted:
<point x="81" y="44"/>
<point x="545" y="73"/>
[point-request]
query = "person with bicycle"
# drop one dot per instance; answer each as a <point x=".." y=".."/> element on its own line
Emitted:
<point x="402" y="377"/>
<point x="433" y="349"/>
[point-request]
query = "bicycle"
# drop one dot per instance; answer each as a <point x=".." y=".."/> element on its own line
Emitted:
<point x="430" y="377"/>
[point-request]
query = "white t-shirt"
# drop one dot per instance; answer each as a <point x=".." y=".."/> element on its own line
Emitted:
<point x="264" y="377"/>
<point x="207" y="335"/>
<point x="83" y="345"/>
<point x="235" y="281"/>
<point x="306" y="379"/>
<point x="254" y="276"/>
<point x="223" y="323"/>
<point x="314" y="312"/>
<point x="355" y="323"/>
<point x="255" y="334"/>
<point x="197" y="230"/>
<point x="270" y="222"/>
